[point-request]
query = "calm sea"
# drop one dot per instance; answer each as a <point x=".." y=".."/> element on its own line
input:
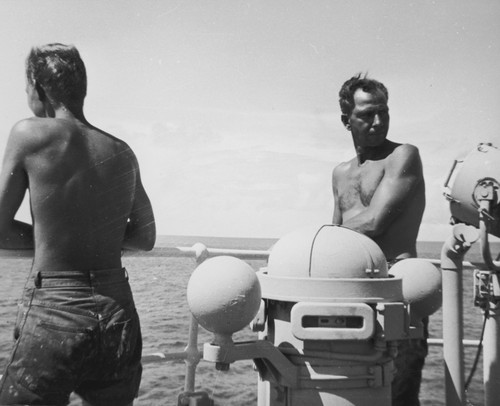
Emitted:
<point x="159" y="286"/>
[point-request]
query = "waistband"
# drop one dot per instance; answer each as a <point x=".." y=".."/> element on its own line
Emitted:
<point x="87" y="278"/>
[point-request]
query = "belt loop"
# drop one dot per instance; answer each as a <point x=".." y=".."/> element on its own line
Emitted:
<point x="38" y="280"/>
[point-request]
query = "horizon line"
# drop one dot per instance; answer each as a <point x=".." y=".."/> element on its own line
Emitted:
<point x="273" y="238"/>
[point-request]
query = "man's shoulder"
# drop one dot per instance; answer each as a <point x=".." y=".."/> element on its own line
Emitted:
<point x="37" y="126"/>
<point x="343" y="167"/>
<point x="24" y="139"/>
<point x="28" y="132"/>
<point x="27" y="125"/>
<point x="405" y="158"/>
<point x="403" y="153"/>
<point x="405" y="149"/>
<point x="35" y="133"/>
<point x="118" y="142"/>
<point x="108" y="143"/>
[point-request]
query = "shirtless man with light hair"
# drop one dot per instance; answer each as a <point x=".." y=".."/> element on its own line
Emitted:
<point x="77" y="327"/>
<point x="381" y="193"/>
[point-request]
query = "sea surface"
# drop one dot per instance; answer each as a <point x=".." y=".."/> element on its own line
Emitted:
<point x="159" y="286"/>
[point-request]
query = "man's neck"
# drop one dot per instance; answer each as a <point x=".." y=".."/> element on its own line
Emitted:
<point x="74" y="113"/>
<point x="364" y="154"/>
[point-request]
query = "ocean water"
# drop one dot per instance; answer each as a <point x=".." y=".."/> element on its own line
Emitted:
<point x="159" y="285"/>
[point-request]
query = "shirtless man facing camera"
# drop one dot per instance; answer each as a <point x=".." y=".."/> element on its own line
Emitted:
<point x="381" y="193"/>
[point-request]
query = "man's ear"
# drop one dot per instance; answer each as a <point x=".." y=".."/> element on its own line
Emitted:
<point x="345" y="121"/>
<point x="41" y="93"/>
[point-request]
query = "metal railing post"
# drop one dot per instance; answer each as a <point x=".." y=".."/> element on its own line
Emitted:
<point x="452" y="255"/>
<point x="192" y="356"/>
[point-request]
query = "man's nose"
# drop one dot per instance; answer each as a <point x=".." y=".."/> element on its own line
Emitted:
<point x="376" y="120"/>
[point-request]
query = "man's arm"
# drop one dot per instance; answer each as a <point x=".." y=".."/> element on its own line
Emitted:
<point x="403" y="174"/>
<point x="140" y="233"/>
<point x="13" y="185"/>
<point x="337" y="212"/>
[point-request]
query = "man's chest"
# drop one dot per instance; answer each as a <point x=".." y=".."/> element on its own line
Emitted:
<point x="359" y="183"/>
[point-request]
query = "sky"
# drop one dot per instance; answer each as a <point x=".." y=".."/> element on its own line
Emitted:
<point x="232" y="106"/>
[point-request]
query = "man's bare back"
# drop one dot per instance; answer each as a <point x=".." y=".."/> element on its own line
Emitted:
<point x="82" y="191"/>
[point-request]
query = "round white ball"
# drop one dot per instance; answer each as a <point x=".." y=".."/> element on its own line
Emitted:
<point x="224" y="294"/>
<point x="421" y="285"/>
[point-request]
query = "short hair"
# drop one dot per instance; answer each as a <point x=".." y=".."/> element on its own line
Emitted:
<point x="346" y="94"/>
<point x="60" y="71"/>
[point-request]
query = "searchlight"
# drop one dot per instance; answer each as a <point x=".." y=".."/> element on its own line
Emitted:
<point x="472" y="188"/>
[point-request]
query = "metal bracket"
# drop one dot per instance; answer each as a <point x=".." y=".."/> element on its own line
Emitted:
<point x="287" y="373"/>
<point x="487" y="189"/>
<point x="486" y="288"/>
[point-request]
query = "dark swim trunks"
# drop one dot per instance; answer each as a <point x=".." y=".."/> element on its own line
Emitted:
<point x="409" y="364"/>
<point x="76" y="332"/>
